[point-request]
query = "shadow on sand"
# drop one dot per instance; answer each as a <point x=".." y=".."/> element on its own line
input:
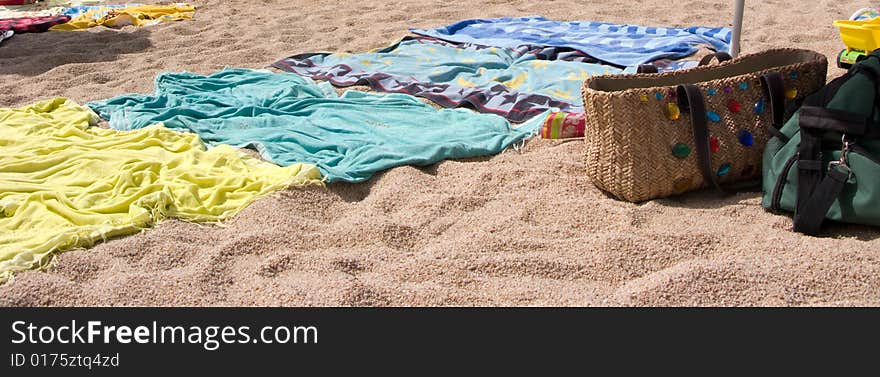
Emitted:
<point x="711" y="199"/>
<point x="32" y="54"/>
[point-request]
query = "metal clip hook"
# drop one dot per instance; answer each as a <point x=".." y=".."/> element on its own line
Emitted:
<point x="842" y="162"/>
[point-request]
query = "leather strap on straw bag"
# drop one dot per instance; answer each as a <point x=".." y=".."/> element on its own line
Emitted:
<point x="690" y="99"/>
<point x="774" y="90"/>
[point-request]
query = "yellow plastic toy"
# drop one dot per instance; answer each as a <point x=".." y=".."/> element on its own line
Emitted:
<point x="860" y="37"/>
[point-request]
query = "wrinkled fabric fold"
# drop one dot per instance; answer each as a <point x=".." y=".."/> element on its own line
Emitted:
<point x="136" y="15"/>
<point x="64" y="184"/>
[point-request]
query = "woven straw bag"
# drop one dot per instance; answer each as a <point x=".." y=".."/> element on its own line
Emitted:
<point x="657" y="135"/>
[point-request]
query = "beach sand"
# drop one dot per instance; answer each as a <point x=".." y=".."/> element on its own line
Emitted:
<point x="522" y="228"/>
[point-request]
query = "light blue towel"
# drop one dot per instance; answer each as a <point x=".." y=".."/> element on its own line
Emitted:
<point x="290" y="119"/>
<point x="622" y="45"/>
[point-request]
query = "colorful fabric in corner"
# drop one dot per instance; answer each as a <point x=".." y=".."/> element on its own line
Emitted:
<point x="562" y="125"/>
<point x="621" y="45"/>
<point x="5" y="34"/>
<point x="41" y="8"/>
<point x="140" y="15"/>
<point x="288" y="119"/>
<point x="32" y="24"/>
<point x="514" y="83"/>
<point x="64" y="184"/>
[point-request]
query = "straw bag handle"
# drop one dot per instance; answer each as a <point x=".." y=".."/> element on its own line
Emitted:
<point x="774" y="90"/>
<point x="647" y="68"/>
<point x="720" y="55"/>
<point x="690" y="99"/>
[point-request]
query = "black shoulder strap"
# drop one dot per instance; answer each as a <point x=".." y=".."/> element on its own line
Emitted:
<point x="809" y="166"/>
<point x="811" y="214"/>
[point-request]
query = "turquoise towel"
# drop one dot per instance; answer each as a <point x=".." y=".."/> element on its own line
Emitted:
<point x="290" y="119"/>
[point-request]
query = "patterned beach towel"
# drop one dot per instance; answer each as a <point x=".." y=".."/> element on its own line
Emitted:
<point x="64" y="184"/>
<point x="621" y="45"/>
<point x="514" y="83"/>
<point x="524" y="71"/>
<point x="32" y="24"/>
<point x="290" y="119"/>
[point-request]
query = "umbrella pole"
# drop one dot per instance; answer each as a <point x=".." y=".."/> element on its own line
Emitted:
<point x="739" y="8"/>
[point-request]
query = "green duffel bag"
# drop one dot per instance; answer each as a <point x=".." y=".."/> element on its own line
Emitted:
<point x="825" y="162"/>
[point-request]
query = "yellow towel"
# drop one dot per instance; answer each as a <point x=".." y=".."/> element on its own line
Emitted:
<point x="138" y="15"/>
<point x="64" y="184"/>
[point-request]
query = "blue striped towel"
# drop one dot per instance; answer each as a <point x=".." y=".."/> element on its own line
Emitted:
<point x="622" y="45"/>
